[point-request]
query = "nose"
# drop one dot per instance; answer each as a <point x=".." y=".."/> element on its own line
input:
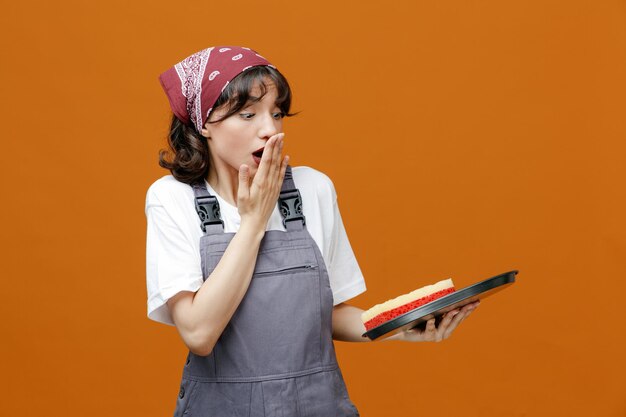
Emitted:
<point x="269" y="126"/>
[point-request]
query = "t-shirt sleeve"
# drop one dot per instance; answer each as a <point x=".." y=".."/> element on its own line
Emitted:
<point x="346" y="278"/>
<point x="172" y="260"/>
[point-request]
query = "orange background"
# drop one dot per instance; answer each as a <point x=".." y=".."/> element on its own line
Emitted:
<point x="464" y="139"/>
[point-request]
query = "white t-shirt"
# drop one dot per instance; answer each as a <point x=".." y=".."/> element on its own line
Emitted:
<point x="173" y="238"/>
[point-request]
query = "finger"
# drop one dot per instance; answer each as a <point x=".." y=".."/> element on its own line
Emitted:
<point x="430" y="325"/>
<point x="454" y="322"/>
<point x="276" y="153"/>
<point x="274" y="157"/>
<point x="244" y="182"/>
<point x="266" y="159"/>
<point x="276" y="161"/>
<point x="283" y="169"/>
<point x="463" y="314"/>
<point x="447" y="319"/>
<point x="469" y="307"/>
<point x="431" y="330"/>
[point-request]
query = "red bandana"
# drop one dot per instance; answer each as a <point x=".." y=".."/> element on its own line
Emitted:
<point x="194" y="84"/>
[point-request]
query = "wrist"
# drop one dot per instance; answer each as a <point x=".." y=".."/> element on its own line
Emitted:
<point x="254" y="229"/>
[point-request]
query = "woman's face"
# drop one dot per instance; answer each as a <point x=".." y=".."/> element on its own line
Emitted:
<point x="233" y="140"/>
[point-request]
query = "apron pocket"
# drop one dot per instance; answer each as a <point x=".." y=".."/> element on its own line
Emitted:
<point x="285" y="270"/>
<point x="276" y="330"/>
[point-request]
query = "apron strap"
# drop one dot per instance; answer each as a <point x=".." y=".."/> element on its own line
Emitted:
<point x="290" y="203"/>
<point x="208" y="209"/>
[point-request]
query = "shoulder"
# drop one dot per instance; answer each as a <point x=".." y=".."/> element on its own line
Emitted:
<point x="312" y="181"/>
<point x="167" y="190"/>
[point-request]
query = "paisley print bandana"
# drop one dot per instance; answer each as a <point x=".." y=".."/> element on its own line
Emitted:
<point x="194" y="84"/>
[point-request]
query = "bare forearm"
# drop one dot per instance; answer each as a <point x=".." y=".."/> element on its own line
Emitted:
<point x="216" y="301"/>
<point x="348" y="326"/>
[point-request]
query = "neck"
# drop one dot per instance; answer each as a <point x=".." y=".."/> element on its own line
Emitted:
<point x="225" y="182"/>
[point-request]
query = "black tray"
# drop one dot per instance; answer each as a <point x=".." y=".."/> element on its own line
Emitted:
<point x="437" y="308"/>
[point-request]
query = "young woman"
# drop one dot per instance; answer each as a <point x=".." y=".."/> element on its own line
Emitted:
<point x="248" y="257"/>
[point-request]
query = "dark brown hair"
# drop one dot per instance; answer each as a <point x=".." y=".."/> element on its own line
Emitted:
<point x="188" y="155"/>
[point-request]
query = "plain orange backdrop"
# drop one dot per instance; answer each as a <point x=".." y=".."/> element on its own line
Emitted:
<point x="464" y="139"/>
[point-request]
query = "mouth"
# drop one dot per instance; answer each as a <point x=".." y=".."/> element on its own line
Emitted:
<point x="258" y="153"/>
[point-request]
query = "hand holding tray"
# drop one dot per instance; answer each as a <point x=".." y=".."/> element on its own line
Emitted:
<point x="437" y="308"/>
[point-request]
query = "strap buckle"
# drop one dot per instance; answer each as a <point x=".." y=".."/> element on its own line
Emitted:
<point x="208" y="209"/>
<point x="290" y="205"/>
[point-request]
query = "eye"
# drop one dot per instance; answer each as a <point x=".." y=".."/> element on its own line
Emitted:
<point x="246" y="116"/>
<point x="278" y="115"/>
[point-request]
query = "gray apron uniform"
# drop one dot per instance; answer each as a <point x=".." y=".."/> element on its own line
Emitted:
<point x="276" y="356"/>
